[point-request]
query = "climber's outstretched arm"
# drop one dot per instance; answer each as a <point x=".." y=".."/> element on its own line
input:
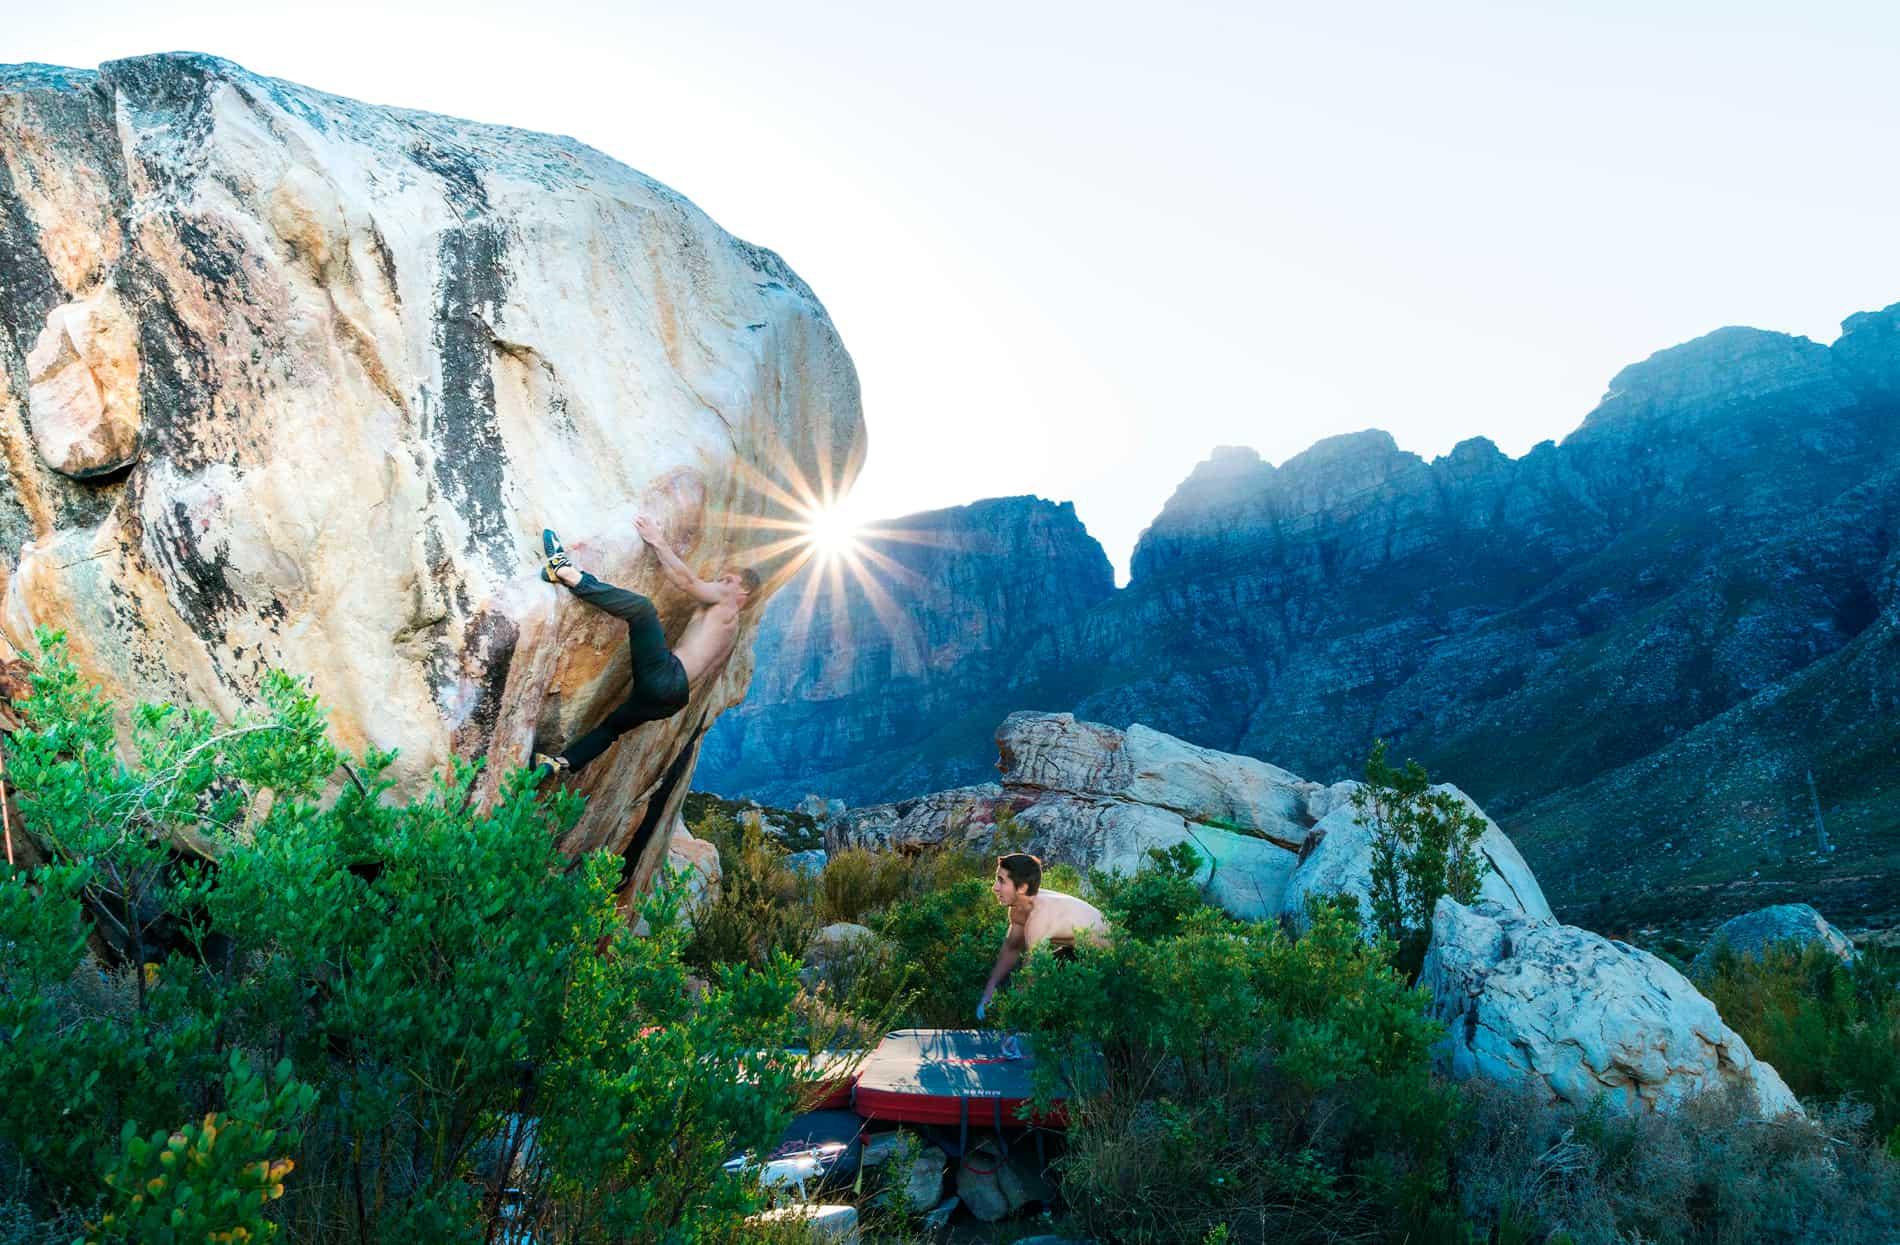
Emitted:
<point x="1014" y="947"/>
<point x="676" y="570"/>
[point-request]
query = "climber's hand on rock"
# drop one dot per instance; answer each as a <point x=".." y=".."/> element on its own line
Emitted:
<point x="650" y="532"/>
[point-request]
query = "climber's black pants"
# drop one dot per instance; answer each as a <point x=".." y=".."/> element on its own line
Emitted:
<point x="659" y="681"/>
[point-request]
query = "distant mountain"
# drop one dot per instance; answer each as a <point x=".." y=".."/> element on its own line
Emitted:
<point x="1630" y="647"/>
<point x="879" y="693"/>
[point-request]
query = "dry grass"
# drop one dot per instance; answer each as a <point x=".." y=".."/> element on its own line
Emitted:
<point x="1709" y="1173"/>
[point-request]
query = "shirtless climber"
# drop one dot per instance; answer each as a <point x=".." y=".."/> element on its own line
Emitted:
<point x="1035" y="916"/>
<point x="662" y="679"/>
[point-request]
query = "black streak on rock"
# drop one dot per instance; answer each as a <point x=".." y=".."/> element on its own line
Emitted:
<point x="470" y="462"/>
<point x="199" y="588"/>
<point x="28" y="289"/>
<point x="490" y="649"/>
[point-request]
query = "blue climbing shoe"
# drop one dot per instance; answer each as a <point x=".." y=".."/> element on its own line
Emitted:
<point x="557" y="556"/>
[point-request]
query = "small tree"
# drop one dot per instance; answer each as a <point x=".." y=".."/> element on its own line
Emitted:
<point x="1424" y="845"/>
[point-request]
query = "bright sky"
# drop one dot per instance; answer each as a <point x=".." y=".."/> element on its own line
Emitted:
<point x="1074" y="246"/>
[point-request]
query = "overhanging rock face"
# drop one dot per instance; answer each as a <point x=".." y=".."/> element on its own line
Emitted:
<point x="291" y="381"/>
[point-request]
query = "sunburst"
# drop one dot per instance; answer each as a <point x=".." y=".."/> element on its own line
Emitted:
<point x="810" y="527"/>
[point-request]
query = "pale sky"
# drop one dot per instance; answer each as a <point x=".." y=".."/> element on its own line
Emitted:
<point x="1073" y="247"/>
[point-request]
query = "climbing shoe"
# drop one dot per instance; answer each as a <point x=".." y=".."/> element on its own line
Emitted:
<point x="552" y="764"/>
<point x="557" y="556"/>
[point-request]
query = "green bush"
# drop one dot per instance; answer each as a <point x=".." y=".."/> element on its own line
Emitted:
<point x="423" y="975"/>
<point x="1157" y="900"/>
<point x="857" y="883"/>
<point x="1230" y="1075"/>
<point x="1424" y="845"/>
<point x="947" y="940"/>
<point x="213" y="1180"/>
<point x="764" y="908"/>
<point x="1831" y="1030"/>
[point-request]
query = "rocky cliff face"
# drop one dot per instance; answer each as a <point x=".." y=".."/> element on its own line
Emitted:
<point x="1598" y="640"/>
<point x="1629" y="646"/>
<point x="872" y="692"/>
<point x="291" y="381"/>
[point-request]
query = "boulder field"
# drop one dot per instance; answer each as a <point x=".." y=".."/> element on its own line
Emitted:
<point x="1096" y="797"/>
<point x="1525" y="998"/>
<point x="292" y="381"/>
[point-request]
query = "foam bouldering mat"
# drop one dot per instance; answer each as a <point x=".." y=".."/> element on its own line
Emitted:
<point x="945" y="1076"/>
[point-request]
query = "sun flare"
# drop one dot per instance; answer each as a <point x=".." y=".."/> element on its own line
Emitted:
<point x="830" y="532"/>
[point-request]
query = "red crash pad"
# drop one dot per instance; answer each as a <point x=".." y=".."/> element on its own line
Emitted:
<point x="946" y="1076"/>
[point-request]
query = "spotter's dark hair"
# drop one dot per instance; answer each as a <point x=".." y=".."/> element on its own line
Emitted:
<point x="1023" y="869"/>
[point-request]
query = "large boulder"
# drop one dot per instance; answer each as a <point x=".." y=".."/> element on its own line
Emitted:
<point x="1574" y="1014"/>
<point x="1056" y="752"/>
<point x="1099" y="798"/>
<point x="1244" y="874"/>
<point x="699" y="860"/>
<point x="959" y="817"/>
<point x="1340" y="863"/>
<point x="287" y="380"/>
<point x="1752" y="933"/>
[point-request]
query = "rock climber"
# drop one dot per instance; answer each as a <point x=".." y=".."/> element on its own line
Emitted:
<point x="663" y="678"/>
<point x="1036" y="916"/>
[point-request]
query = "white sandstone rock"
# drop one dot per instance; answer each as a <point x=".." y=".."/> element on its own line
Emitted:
<point x="1754" y="932"/>
<point x="83" y="387"/>
<point x="1056" y="752"/>
<point x="959" y="817"/>
<point x="1244" y="875"/>
<point x="1341" y="864"/>
<point x="994" y="1185"/>
<point x="923" y="1186"/>
<point x="807" y="863"/>
<point x="699" y="859"/>
<point x="365" y="354"/>
<point x="1576" y="1015"/>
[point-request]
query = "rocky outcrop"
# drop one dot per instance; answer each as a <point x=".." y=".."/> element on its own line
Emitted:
<point x="883" y="681"/>
<point x="1339" y="862"/>
<point x="1094" y="797"/>
<point x="1787" y="924"/>
<point x="1630" y="646"/>
<point x="1576" y="1015"/>
<point x="1055" y="752"/>
<point x="698" y="861"/>
<point x="291" y="381"/>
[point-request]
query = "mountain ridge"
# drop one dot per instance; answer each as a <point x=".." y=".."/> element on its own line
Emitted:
<point x="1527" y="626"/>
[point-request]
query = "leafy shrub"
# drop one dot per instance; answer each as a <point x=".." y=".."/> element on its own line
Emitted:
<point x="947" y="940"/>
<point x="435" y="972"/>
<point x="764" y="907"/>
<point x="1157" y="900"/>
<point x="1230" y="1075"/>
<point x="1424" y="845"/>
<point x="857" y="882"/>
<point x="213" y="1180"/>
<point x="1831" y="1030"/>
